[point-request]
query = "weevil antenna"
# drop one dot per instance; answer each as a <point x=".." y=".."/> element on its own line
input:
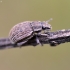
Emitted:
<point x="49" y="20"/>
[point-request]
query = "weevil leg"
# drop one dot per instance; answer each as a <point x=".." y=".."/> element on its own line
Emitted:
<point x="47" y="30"/>
<point x="21" y="43"/>
<point x="38" y="41"/>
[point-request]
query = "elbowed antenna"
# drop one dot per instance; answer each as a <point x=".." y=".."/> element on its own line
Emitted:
<point x="49" y="20"/>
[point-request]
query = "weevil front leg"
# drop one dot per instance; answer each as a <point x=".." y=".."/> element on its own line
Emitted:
<point x="46" y="31"/>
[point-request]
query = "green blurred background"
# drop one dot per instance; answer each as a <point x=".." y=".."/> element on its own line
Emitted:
<point x="35" y="58"/>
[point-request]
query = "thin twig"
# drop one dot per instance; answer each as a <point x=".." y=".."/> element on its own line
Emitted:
<point x="52" y="38"/>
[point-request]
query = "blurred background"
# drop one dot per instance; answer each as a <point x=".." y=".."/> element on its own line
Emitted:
<point x="35" y="58"/>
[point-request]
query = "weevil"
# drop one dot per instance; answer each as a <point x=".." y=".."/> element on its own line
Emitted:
<point x="27" y="29"/>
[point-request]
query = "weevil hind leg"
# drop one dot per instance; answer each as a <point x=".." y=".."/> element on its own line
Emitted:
<point x="21" y="43"/>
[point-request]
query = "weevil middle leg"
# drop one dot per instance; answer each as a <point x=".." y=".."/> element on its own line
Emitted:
<point x="37" y="39"/>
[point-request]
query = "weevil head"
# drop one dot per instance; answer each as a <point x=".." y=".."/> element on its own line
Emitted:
<point x="46" y="25"/>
